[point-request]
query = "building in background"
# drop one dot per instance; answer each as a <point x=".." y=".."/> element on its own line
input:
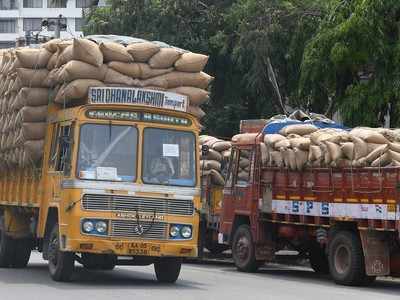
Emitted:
<point x="19" y="17"/>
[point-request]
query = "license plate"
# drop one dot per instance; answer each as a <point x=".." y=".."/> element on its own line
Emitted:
<point x="139" y="248"/>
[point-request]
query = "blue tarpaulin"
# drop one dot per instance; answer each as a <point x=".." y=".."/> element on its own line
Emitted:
<point x="277" y="125"/>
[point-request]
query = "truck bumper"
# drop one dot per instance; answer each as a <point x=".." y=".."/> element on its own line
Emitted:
<point x="133" y="247"/>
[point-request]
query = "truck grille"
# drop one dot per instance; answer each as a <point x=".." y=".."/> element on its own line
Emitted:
<point x="137" y="204"/>
<point x="129" y="229"/>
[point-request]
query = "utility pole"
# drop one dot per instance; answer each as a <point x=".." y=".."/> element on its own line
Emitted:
<point x="58" y="27"/>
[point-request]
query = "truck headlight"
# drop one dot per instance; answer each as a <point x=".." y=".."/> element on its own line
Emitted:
<point x="174" y="231"/>
<point x="186" y="231"/>
<point x="101" y="227"/>
<point x="87" y="226"/>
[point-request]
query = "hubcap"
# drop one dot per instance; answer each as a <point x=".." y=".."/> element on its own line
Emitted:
<point x="342" y="259"/>
<point x="243" y="248"/>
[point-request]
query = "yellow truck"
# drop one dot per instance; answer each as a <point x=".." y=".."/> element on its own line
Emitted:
<point x="119" y="184"/>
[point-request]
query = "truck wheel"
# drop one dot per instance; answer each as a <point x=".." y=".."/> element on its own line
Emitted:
<point x="346" y="259"/>
<point x="318" y="260"/>
<point x="61" y="264"/>
<point x="7" y="247"/>
<point x="243" y="251"/>
<point x="167" y="269"/>
<point x="22" y="253"/>
<point x="98" y="261"/>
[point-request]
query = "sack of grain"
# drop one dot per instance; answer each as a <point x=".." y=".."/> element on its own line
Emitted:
<point x="33" y="131"/>
<point x="334" y="150"/>
<point x="301" y="158"/>
<point x="395" y="147"/>
<point x="31" y="97"/>
<point x="196" y="111"/>
<point x="65" y="56"/>
<point x="217" y="178"/>
<point x="210" y="164"/>
<point x="289" y="158"/>
<point x="87" y="51"/>
<point x="394" y="155"/>
<point x="80" y="70"/>
<point x="142" y="52"/>
<point x="276" y="159"/>
<point x="176" y="79"/>
<point x="191" y="62"/>
<point x="212" y="155"/>
<point x="16" y="86"/>
<point x="382" y="160"/>
<point x="32" y="78"/>
<point x="205" y="138"/>
<point x="283" y="144"/>
<point x="376" y="153"/>
<point x="33" y="58"/>
<point x="137" y="70"/>
<point x="300" y="142"/>
<point x="271" y="139"/>
<point x="53" y="61"/>
<point x="115" y="52"/>
<point x="33" y="113"/>
<point x="348" y="150"/>
<point x="221" y="146"/>
<point x="244" y="162"/>
<point x="360" y="148"/>
<point x="165" y="58"/>
<point x="300" y="129"/>
<point x="369" y="136"/>
<point x="77" y="89"/>
<point x="196" y="96"/>
<point x="52" y="45"/>
<point x="244" y="138"/>
<point x="243" y="176"/>
<point x="34" y="149"/>
<point x="52" y="79"/>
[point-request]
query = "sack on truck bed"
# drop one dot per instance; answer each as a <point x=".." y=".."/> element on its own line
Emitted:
<point x="64" y="56"/>
<point x="32" y="78"/>
<point x="196" y="96"/>
<point x="33" y="113"/>
<point x="77" y="89"/>
<point x="87" y="51"/>
<point x="34" y="149"/>
<point x="31" y="97"/>
<point x="165" y="58"/>
<point x="191" y="62"/>
<point x="115" y="52"/>
<point x="80" y="70"/>
<point x="142" y="52"/>
<point x="301" y="129"/>
<point x="33" y="58"/>
<point x="137" y="70"/>
<point x="176" y="79"/>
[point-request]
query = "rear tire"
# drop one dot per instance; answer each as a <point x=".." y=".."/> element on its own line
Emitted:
<point x="346" y="259"/>
<point x="61" y="264"/>
<point x="167" y="269"/>
<point x="7" y="247"/>
<point x="243" y="251"/>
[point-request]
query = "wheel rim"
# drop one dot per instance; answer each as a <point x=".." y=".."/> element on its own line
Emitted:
<point x="53" y="251"/>
<point x="342" y="259"/>
<point x="242" y="249"/>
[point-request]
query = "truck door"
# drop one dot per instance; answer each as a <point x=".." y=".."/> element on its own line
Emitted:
<point x="242" y="186"/>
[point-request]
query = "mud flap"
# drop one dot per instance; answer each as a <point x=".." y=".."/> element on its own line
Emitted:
<point x="376" y="253"/>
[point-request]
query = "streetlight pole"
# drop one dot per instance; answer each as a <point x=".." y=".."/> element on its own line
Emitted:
<point x="57" y="27"/>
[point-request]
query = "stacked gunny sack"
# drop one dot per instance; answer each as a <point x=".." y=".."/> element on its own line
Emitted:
<point x="62" y="71"/>
<point x="213" y="163"/>
<point x="303" y="146"/>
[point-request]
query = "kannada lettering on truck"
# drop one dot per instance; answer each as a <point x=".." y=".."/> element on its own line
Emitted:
<point x="119" y="184"/>
<point x="344" y="218"/>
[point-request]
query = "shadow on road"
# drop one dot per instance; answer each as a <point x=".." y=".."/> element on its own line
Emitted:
<point x="121" y="278"/>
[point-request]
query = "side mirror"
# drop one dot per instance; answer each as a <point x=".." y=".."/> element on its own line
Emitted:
<point x="204" y="150"/>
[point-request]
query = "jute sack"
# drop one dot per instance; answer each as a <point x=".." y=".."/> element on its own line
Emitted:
<point x="243" y="175"/>
<point x="15" y="65"/>
<point x="32" y="131"/>
<point x="334" y="150"/>
<point x="264" y="154"/>
<point x="360" y="148"/>
<point x="348" y="150"/>
<point x="87" y="51"/>
<point x="382" y="161"/>
<point x="191" y="62"/>
<point x="294" y="136"/>
<point x="142" y="52"/>
<point x="301" y="158"/>
<point x="395" y="147"/>
<point x="114" y="77"/>
<point x="33" y="113"/>
<point x="196" y="96"/>
<point x="376" y="153"/>
<point x="289" y="158"/>
<point x="394" y="155"/>
<point x="137" y="70"/>
<point x="52" y="79"/>
<point x="300" y="129"/>
<point x="369" y="136"/>
<point x="176" y="79"/>
<point x="196" y="111"/>
<point x="33" y="58"/>
<point x="52" y="45"/>
<point x="64" y="56"/>
<point x="31" y="97"/>
<point x="211" y="142"/>
<point x="244" y="162"/>
<point x="301" y="143"/>
<point x="283" y="144"/>
<point x="32" y="78"/>
<point x="217" y="178"/>
<point x="165" y="58"/>
<point x="34" y="149"/>
<point x="244" y="138"/>
<point x="210" y="164"/>
<point x="222" y="146"/>
<point x="271" y="139"/>
<point x="205" y="138"/>
<point x="115" y="52"/>
<point x="212" y="155"/>
<point x="16" y="86"/>
<point x="395" y="164"/>
<point x="276" y="159"/>
<point x="77" y="89"/>
<point x="53" y="61"/>
<point x="76" y="69"/>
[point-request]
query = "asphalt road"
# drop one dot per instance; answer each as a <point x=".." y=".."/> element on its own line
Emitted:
<point x="217" y="281"/>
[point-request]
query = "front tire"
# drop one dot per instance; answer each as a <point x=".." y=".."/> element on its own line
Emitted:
<point x="346" y="259"/>
<point x="167" y="269"/>
<point x="61" y="264"/>
<point x="243" y="250"/>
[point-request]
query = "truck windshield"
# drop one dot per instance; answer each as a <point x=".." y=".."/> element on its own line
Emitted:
<point x="107" y="152"/>
<point x="169" y="157"/>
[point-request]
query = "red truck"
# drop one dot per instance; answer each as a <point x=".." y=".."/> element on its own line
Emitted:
<point x="346" y="221"/>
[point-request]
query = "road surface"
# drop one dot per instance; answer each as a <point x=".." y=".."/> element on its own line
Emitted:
<point x="218" y="281"/>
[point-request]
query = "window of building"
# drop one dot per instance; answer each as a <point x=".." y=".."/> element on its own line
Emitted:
<point x="57" y="3"/>
<point x="33" y="3"/>
<point x="84" y="3"/>
<point x="79" y="23"/>
<point x="32" y="24"/>
<point x="8" y="26"/>
<point x="53" y="22"/>
<point x="8" y="4"/>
